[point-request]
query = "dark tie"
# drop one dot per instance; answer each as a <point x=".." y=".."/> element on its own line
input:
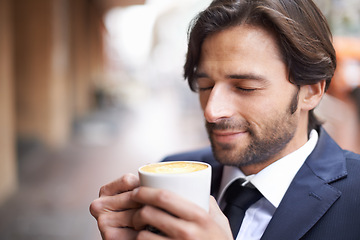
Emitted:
<point x="238" y="199"/>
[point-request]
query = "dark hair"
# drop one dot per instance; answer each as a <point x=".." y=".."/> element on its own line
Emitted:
<point x="303" y="35"/>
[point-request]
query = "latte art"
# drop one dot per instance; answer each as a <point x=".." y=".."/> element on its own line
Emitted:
<point x="174" y="167"/>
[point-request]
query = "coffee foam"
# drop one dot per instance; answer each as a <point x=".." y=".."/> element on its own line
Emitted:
<point x="174" y="167"/>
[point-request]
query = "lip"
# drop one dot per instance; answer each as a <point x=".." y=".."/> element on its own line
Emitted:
<point x="227" y="136"/>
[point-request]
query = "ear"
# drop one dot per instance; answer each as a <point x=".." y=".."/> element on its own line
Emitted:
<point x="311" y="95"/>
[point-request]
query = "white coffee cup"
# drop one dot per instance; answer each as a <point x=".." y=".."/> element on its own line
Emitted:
<point x="189" y="179"/>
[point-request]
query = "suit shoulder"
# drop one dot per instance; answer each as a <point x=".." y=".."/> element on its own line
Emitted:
<point x="353" y="165"/>
<point x="351" y="155"/>
<point x="202" y="154"/>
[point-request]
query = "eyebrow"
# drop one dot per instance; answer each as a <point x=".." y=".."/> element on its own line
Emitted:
<point x="200" y="75"/>
<point x="249" y="76"/>
<point x="246" y="76"/>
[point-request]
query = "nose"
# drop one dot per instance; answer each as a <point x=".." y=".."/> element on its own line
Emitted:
<point x="218" y="105"/>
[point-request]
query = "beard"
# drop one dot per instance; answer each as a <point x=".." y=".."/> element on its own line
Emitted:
<point x="262" y="145"/>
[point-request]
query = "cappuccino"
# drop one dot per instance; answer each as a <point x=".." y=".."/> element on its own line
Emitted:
<point x="174" y="167"/>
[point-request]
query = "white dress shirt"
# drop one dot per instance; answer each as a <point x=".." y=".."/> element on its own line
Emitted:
<point x="272" y="182"/>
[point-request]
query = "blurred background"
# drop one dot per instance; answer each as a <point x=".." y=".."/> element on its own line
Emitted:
<point x="92" y="89"/>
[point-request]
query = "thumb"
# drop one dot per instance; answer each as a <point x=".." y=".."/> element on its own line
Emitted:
<point x="218" y="216"/>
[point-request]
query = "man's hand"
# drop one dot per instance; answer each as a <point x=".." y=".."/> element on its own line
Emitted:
<point x="177" y="218"/>
<point x="124" y="209"/>
<point x="114" y="209"/>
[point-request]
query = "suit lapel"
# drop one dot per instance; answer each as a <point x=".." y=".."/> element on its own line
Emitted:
<point x="302" y="206"/>
<point x="309" y="196"/>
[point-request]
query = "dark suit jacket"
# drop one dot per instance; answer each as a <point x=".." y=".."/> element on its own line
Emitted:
<point x="323" y="200"/>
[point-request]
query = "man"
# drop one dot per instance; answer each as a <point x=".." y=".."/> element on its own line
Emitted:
<point x="260" y="68"/>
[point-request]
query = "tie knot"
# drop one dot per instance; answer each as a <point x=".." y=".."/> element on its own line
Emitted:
<point x="241" y="196"/>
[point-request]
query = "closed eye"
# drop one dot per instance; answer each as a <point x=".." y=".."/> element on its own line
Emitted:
<point x="246" y="89"/>
<point x="202" y="89"/>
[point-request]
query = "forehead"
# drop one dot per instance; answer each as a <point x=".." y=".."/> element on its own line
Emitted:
<point x="241" y="42"/>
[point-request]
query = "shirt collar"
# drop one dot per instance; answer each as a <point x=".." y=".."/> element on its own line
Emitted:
<point x="274" y="180"/>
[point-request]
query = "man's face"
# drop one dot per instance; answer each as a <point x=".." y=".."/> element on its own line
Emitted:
<point x="247" y="99"/>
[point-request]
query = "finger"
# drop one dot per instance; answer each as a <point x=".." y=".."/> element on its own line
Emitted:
<point x="149" y="215"/>
<point x="126" y="183"/>
<point x="116" y="219"/>
<point x="119" y="233"/>
<point x="146" y="235"/>
<point x="115" y="203"/>
<point x="169" y="202"/>
<point x="159" y="219"/>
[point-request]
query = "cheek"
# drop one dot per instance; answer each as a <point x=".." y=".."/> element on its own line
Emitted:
<point x="261" y="110"/>
<point x="258" y="106"/>
<point x="272" y="103"/>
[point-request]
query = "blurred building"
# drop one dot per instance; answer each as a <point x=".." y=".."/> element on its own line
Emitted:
<point x="51" y="57"/>
<point x="340" y="108"/>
